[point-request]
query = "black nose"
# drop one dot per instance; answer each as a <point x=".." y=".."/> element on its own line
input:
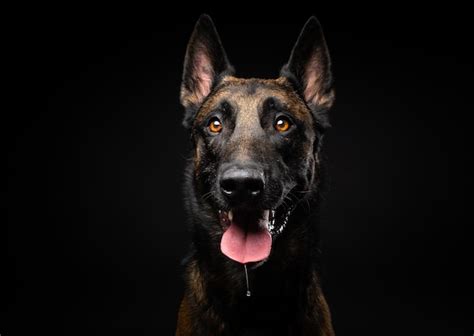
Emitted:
<point x="241" y="184"/>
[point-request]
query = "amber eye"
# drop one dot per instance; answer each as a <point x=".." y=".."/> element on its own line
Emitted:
<point x="282" y="124"/>
<point x="215" y="125"/>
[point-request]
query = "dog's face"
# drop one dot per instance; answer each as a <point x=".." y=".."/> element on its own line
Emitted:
<point x="256" y="142"/>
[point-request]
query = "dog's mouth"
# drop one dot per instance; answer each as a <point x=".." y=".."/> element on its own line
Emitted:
<point x="248" y="234"/>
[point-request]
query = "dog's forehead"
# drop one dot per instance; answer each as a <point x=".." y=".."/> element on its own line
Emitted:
<point x="253" y="87"/>
<point x="248" y="95"/>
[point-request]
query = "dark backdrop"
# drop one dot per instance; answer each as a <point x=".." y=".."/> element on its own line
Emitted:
<point x="94" y="166"/>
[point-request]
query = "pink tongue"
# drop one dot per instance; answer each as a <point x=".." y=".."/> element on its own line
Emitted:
<point x="244" y="245"/>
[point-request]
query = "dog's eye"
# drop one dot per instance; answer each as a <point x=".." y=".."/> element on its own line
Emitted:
<point x="282" y="124"/>
<point x="215" y="125"/>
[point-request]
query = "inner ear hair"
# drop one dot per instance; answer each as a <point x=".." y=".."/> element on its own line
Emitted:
<point x="204" y="65"/>
<point x="309" y="68"/>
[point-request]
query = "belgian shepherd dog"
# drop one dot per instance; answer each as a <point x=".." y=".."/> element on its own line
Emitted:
<point x="253" y="189"/>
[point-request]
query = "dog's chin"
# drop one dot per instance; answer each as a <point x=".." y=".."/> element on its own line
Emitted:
<point x="249" y="233"/>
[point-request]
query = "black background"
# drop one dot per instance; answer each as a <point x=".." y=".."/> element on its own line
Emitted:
<point x="95" y="152"/>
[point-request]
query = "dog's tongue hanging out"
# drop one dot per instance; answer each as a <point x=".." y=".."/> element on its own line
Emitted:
<point x="247" y="238"/>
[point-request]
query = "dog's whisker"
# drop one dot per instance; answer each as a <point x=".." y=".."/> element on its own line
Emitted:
<point x="206" y="196"/>
<point x="302" y="191"/>
<point x="295" y="200"/>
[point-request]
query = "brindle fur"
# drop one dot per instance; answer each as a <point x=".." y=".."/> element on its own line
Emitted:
<point x="286" y="294"/>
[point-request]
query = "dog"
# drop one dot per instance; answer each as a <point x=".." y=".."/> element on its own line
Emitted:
<point x="253" y="189"/>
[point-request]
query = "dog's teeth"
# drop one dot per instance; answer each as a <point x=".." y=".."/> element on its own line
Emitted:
<point x="265" y="219"/>
<point x="276" y="229"/>
<point x="230" y="215"/>
<point x="280" y="229"/>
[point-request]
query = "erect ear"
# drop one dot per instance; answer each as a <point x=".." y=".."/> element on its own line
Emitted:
<point x="204" y="65"/>
<point x="309" y="70"/>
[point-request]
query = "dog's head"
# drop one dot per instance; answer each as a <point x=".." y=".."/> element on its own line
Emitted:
<point x="256" y="141"/>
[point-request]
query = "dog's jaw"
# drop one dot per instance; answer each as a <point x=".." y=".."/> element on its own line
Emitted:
<point x="275" y="225"/>
<point x="248" y="236"/>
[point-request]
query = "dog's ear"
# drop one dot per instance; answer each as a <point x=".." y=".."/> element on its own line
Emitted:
<point x="204" y="65"/>
<point x="309" y="70"/>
